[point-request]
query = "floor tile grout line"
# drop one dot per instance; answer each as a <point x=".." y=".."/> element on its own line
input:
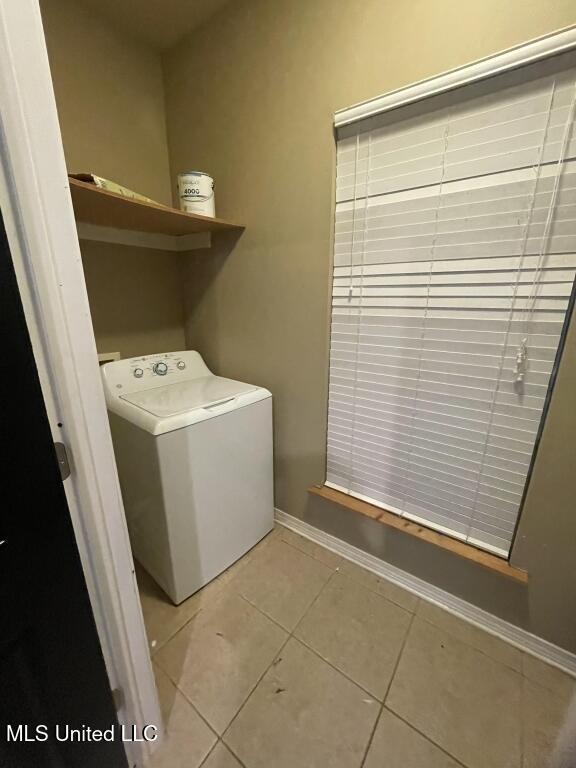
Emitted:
<point x="395" y="714"/>
<point x="400" y="654"/>
<point x="379" y="715"/>
<point x="301" y="619"/>
<point x="469" y="645"/>
<point x="257" y="683"/>
<point x="236" y="564"/>
<point x="291" y="634"/>
<point x="424" y="736"/>
<point x="183" y="693"/>
<point x="232" y="589"/>
<point x="526" y="653"/>
<point x="277" y="654"/>
<point x="532" y="678"/>
<point x="371" y="737"/>
<point x="153" y="651"/>
<point x="420" y="599"/>
<point x="260" y="610"/>
<point x="361" y="567"/>
<point x="173" y="635"/>
<point x="194" y="706"/>
<point x="207" y="755"/>
<point x="203" y="608"/>
<point x="278" y="535"/>
<point x="389" y="709"/>
<point x="275" y="621"/>
<point x="190" y="702"/>
<point x="347" y="575"/>
<point x="313" y="650"/>
<point x="263" y="613"/>
<point x="220" y="741"/>
<point x="331" y="568"/>
<point x="335" y="569"/>
<point x="336" y="669"/>
<point x="284" y="629"/>
<point x="412" y="612"/>
<point x="233" y="753"/>
<point x="188" y="620"/>
<point x="377" y="592"/>
<point x="199" y="713"/>
<point x="313" y="603"/>
<point x="342" y="572"/>
<point x="521" y="672"/>
<point x="303" y="552"/>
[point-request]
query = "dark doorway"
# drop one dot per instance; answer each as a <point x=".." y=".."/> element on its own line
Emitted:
<point x="52" y="671"/>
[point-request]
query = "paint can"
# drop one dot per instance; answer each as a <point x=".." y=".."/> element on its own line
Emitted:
<point x="196" y="193"/>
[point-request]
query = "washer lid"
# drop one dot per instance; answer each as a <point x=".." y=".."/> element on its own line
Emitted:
<point x="183" y="396"/>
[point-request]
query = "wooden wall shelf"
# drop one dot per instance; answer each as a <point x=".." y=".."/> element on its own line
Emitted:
<point x="460" y="548"/>
<point x="93" y="205"/>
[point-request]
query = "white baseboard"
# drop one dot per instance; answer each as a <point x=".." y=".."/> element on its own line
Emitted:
<point x="512" y="634"/>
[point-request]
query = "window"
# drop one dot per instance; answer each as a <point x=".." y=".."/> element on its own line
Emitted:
<point x="454" y="263"/>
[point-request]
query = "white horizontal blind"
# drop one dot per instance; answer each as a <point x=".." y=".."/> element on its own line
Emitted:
<point x="455" y="241"/>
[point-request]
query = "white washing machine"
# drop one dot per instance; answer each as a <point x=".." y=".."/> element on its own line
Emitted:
<point x="194" y="456"/>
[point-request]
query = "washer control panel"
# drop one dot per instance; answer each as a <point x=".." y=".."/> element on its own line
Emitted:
<point x="167" y="365"/>
<point x="139" y="373"/>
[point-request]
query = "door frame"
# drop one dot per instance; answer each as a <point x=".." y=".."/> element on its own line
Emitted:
<point x="41" y="230"/>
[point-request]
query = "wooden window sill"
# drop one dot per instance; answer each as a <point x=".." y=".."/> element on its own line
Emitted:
<point x="460" y="548"/>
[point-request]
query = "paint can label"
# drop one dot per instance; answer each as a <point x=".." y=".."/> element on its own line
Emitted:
<point x="196" y="193"/>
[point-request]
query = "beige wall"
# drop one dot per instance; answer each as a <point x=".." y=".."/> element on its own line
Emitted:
<point x="135" y="298"/>
<point x="110" y="98"/>
<point x="250" y="98"/>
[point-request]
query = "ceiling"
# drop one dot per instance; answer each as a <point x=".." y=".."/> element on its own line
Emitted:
<point x="160" y="23"/>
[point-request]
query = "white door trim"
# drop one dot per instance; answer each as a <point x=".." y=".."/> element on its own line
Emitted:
<point x="39" y="220"/>
<point x="526" y="53"/>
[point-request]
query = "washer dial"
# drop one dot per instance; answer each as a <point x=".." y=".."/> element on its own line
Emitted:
<point x="161" y="369"/>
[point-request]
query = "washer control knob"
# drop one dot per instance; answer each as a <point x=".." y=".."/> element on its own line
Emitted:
<point x="138" y="372"/>
<point x="181" y="365"/>
<point x="161" y="369"/>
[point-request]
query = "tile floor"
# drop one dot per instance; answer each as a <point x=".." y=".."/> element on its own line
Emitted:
<point x="296" y="658"/>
